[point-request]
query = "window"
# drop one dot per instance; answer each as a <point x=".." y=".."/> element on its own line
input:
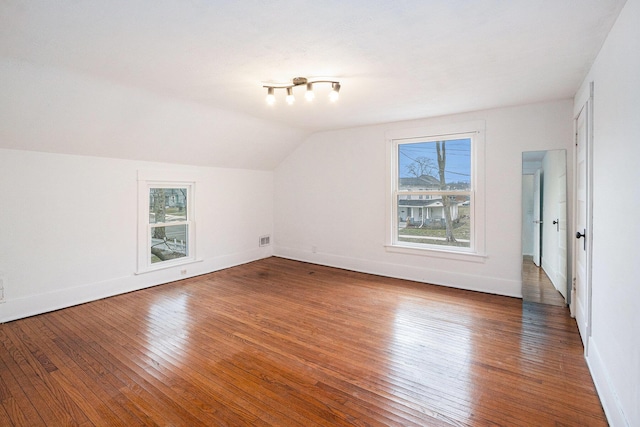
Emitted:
<point x="168" y="223"/>
<point x="436" y="190"/>
<point x="166" y="227"/>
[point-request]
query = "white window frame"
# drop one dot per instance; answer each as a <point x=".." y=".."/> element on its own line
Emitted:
<point x="476" y="132"/>
<point x="162" y="179"/>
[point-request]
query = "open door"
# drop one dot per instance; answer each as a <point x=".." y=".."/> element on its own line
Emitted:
<point x="554" y="211"/>
<point x="581" y="290"/>
<point x="561" y="229"/>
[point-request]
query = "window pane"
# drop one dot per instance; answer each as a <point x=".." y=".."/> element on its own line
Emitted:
<point x="169" y="242"/>
<point x="167" y="205"/>
<point x="425" y="221"/>
<point x="436" y="165"/>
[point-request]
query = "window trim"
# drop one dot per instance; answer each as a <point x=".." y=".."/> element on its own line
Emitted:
<point x="160" y="179"/>
<point x="475" y="130"/>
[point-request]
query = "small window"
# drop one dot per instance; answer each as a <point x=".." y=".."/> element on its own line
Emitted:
<point x="169" y="224"/>
<point x="434" y="192"/>
<point x="166" y="228"/>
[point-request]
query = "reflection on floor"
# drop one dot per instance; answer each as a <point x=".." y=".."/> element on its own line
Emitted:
<point x="536" y="286"/>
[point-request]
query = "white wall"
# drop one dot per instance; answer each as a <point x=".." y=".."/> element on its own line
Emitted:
<point x="69" y="227"/>
<point x="323" y="187"/>
<point x="614" y="347"/>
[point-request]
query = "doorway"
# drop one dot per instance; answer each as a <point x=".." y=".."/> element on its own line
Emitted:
<point x="544" y="227"/>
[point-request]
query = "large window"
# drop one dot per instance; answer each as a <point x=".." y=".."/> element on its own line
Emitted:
<point x="434" y="192"/>
<point x="166" y="227"/>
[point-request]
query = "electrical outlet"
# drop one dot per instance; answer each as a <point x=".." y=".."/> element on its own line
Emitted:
<point x="183" y="272"/>
<point x="314" y="249"/>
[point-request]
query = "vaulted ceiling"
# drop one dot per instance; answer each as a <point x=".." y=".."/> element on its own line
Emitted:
<point x="181" y="81"/>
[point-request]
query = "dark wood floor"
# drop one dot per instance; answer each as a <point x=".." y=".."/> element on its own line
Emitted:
<point x="283" y="343"/>
<point x="536" y="285"/>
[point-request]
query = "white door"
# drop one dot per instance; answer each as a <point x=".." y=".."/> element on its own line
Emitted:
<point x="561" y="228"/>
<point x="581" y="290"/>
<point x="537" y="218"/>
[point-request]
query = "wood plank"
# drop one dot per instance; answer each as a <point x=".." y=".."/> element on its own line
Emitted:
<point x="111" y="379"/>
<point x="83" y="389"/>
<point x="280" y="342"/>
<point x="42" y="366"/>
<point x="25" y="387"/>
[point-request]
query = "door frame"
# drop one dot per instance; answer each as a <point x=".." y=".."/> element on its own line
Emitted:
<point x="587" y="245"/>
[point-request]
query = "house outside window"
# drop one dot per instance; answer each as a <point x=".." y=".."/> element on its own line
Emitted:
<point x="436" y="181"/>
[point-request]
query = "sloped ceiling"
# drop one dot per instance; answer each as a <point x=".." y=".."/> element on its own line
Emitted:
<point x="181" y="81"/>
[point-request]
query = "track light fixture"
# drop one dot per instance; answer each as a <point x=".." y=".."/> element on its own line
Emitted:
<point x="309" y="94"/>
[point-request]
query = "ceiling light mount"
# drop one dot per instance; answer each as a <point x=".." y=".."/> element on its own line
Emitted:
<point x="301" y="81"/>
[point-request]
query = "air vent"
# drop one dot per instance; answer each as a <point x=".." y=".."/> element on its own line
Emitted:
<point x="265" y="240"/>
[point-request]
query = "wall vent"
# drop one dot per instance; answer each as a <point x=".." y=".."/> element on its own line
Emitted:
<point x="265" y="240"/>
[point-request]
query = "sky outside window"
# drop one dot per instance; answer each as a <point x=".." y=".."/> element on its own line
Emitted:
<point x="457" y="165"/>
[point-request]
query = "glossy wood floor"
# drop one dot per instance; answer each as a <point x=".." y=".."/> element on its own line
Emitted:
<point x="536" y="285"/>
<point x="283" y="343"/>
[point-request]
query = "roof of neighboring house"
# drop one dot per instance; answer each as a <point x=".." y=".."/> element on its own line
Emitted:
<point x="420" y="203"/>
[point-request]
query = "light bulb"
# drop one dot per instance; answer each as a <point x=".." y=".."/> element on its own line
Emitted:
<point x="309" y="95"/>
<point x="290" y="98"/>
<point x="334" y="94"/>
<point x="271" y="98"/>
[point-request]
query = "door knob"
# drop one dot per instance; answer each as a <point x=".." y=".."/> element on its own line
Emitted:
<point x="583" y="234"/>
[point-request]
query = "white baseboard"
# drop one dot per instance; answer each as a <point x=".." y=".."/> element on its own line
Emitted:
<point x="608" y="396"/>
<point x="452" y="279"/>
<point x="32" y="305"/>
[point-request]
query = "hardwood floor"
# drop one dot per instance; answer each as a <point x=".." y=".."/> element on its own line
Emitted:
<point x="284" y="343"/>
<point x="536" y="285"/>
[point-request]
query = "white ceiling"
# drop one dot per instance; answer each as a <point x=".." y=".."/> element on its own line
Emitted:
<point x="396" y="60"/>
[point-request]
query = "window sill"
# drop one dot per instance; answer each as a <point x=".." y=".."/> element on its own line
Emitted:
<point x="164" y="266"/>
<point x="436" y="253"/>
